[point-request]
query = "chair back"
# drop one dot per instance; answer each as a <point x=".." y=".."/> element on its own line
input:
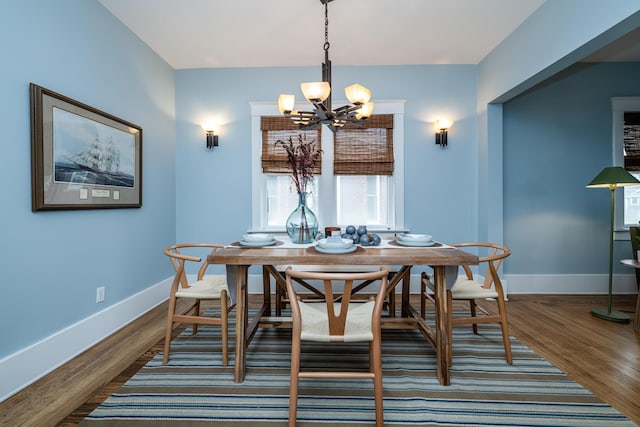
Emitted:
<point x="336" y="301"/>
<point x="179" y="254"/>
<point x="491" y="260"/>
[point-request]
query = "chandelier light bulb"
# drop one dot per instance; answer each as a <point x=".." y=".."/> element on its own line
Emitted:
<point x="365" y="111"/>
<point x="316" y="91"/>
<point x="286" y="103"/>
<point x="357" y="94"/>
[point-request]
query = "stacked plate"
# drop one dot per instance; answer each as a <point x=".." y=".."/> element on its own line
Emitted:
<point x="257" y="240"/>
<point x="334" y="245"/>
<point x="410" y="239"/>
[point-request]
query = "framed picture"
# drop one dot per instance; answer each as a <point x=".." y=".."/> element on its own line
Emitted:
<point x="81" y="157"/>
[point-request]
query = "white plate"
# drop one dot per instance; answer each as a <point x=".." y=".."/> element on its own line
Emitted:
<point x="339" y="244"/>
<point x="257" y="237"/>
<point x="347" y="250"/>
<point x="409" y="237"/>
<point x="257" y="244"/>
<point x="416" y="243"/>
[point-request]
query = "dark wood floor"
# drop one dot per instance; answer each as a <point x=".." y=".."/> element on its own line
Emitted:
<point x="602" y="356"/>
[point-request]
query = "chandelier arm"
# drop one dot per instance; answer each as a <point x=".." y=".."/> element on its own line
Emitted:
<point x="322" y="111"/>
<point x="347" y="109"/>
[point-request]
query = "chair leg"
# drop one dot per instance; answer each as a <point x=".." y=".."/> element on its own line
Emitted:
<point x="375" y="352"/>
<point x="423" y="297"/>
<point x="293" y="387"/>
<point x="449" y="326"/>
<point x="169" y="331"/>
<point x="502" y="309"/>
<point x="224" y="316"/>
<point x="474" y="312"/>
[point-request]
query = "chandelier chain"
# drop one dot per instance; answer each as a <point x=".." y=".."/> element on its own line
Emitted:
<point x="326" y="26"/>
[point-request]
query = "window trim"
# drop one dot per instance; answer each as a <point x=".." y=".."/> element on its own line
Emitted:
<point x="619" y="105"/>
<point x="258" y="185"/>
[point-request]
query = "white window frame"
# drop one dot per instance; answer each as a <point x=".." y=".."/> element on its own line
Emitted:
<point x="618" y="106"/>
<point x="326" y="182"/>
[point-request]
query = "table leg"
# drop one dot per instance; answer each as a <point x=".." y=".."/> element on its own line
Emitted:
<point x="443" y="346"/>
<point x="242" y="319"/>
<point x="406" y="291"/>
<point x="266" y="290"/>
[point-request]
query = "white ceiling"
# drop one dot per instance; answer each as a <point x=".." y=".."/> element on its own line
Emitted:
<point x="259" y="33"/>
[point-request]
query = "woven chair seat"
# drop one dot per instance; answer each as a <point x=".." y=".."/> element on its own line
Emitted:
<point x="210" y="287"/>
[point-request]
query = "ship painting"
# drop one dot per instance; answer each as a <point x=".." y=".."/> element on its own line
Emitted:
<point x="99" y="159"/>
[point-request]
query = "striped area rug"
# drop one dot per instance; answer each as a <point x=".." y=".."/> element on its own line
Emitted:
<point x="193" y="389"/>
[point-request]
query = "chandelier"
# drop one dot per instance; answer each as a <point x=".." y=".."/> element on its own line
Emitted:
<point x="319" y="94"/>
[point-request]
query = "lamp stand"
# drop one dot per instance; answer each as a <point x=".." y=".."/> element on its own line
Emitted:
<point x="607" y="313"/>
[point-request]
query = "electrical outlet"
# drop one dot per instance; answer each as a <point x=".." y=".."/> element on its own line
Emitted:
<point x="100" y="294"/>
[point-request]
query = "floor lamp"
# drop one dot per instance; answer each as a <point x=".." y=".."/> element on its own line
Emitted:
<point x="612" y="178"/>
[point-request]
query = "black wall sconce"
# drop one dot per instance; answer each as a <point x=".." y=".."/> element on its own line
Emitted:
<point x="212" y="138"/>
<point x="442" y="127"/>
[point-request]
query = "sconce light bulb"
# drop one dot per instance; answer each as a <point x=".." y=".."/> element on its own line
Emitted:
<point x="443" y="124"/>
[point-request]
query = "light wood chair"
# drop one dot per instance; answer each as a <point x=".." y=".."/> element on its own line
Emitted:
<point x="206" y="287"/>
<point x="467" y="288"/>
<point x="348" y="320"/>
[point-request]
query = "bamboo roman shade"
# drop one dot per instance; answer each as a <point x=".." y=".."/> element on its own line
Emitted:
<point x="274" y="157"/>
<point x="632" y="141"/>
<point x="366" y="149"/>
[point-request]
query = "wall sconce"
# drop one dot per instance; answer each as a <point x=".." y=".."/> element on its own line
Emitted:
<point x="442" y="125"/>
<point x="212" y="138"/>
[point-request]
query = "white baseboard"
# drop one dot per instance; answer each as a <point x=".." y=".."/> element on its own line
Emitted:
<point x="25" y="366"/>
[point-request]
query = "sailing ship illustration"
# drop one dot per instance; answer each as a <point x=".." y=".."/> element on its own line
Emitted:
<point x="98" y="164"/>
<point x="99" y="157"/>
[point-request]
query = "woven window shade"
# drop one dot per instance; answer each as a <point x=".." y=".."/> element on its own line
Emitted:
<point x="274" y="157"/>
<point x="365" y="150"/>
<point x="632" y="141"/>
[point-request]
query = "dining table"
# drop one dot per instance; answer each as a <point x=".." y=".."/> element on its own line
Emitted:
<point x="441" y="258"/>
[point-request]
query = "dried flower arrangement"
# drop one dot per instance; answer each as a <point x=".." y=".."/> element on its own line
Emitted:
<point x="302" y="156"/>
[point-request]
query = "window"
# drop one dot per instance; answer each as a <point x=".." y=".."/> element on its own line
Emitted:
<point x="280" y="192"/>
<point x="626" y="152"/>
<point x="352" y="188"/>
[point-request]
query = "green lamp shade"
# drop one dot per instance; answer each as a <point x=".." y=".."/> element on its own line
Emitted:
<point x="616" y="176"/>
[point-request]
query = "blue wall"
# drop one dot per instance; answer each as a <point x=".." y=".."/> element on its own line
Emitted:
<point x="214" y="187"/>
<point x="52" y="262"/>
<point x="557" y="138"/>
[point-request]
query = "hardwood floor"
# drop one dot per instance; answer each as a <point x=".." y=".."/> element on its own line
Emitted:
<point x="602" y="356"/>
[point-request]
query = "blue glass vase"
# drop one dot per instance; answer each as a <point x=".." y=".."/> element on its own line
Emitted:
<point x="302" y="224"/>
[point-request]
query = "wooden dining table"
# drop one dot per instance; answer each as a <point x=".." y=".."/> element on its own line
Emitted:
<point x="441" y="258"/>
